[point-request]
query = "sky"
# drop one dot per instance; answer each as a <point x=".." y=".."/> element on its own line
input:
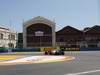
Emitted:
<point x="76" y="13"/>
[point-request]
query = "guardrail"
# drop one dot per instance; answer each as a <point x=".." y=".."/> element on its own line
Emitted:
<point x="90" y="49"/>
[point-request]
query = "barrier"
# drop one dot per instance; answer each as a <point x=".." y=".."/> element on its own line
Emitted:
<point x="70" y="49"/>
<point x="81" y="49"/>
<point x="3" y="50"/>
<point x="46" y="49"/>
<point x="90" y="49"/>
<point x="25" y="50"/>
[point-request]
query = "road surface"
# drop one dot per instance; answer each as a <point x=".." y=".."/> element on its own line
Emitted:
<point x="85" y="63"/>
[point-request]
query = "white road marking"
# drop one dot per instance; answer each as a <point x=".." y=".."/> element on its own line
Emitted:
<point x="37" y="59"/>
<point x="86" y="72"/>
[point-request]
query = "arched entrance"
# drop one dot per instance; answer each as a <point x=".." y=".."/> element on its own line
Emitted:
<point x="39" y="35"/>
<point x="10" y="45"/>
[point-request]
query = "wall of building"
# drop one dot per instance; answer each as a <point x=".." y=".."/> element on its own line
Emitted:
<point x="8" y="39"/>
<point x="66" y="37"/>
<point x="71" y="37"/>
<point x="35" y="25"/>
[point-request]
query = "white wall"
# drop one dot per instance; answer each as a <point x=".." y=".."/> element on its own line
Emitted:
<point x="5" y="41"/>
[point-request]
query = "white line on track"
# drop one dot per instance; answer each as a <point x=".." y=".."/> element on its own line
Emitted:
<point x="86" y="72"/>
<point x="37" y="59"/>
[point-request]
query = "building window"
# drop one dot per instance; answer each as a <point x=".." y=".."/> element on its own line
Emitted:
<point x="11" y="37"/>
<point x="8" y="36"/>
<point x="1" y="36"/>
<point x="38" y="33"/>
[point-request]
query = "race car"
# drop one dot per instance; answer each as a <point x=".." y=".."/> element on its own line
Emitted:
<point x="54" y="52"/>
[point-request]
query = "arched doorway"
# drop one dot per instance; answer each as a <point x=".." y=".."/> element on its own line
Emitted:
<point x="39" y="35"/>
<point x="38" y="32"/>
<point x="10" y="45"/>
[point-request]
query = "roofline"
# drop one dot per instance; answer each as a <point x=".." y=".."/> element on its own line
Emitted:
<point x="69" y="26"/>
<point x="4" y="28"/>
<point x="91" y="28"/>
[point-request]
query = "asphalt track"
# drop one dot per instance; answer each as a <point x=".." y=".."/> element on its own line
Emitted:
<point x="85" y="63"/>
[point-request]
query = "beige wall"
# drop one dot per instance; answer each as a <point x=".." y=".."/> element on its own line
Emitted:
<point x="5" y="41"/>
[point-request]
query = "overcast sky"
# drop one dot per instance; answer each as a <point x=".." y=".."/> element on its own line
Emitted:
<point x="76" y="13"/>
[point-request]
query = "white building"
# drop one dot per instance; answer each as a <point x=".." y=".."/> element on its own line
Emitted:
<point x="8" y="38"/>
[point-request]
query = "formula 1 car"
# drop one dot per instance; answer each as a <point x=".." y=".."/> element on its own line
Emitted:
<point x="54" y="52"/>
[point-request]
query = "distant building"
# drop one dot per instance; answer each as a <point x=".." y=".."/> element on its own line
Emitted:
<point x="92" y="36"/>
<point x="40" y="32"/>
<point x="20" y="40"/>
<point x="69" y="37"/>
<point x="7" y="38"/>
<point x="72" y="37"/>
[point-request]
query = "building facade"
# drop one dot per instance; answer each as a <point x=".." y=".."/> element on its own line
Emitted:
<point x="71" y="37"/>
<point x="40" y="32"/>
<point x="8" y="39"/>
<point x="92" y="36"/>
<point x="20" y="40"/>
